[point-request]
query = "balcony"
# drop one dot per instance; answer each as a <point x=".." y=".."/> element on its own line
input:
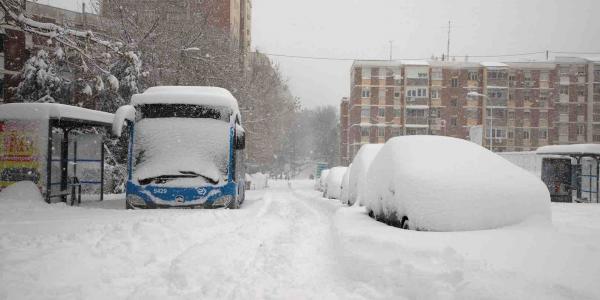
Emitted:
<point x="436" y="102"/>
<point x="563" y="118"/>
<point x="417" y="81"/>
<point x="581" y="79"/>
<point x="581" y="119"/>
<point x="581" y="99"/>
<point x="565" y="80"/>
<point x="543" y="123"/>
<point x="417" y="121"/>
<point x="415" y="101"/>
<point x="563" y="98"/>
<point x="544" y="85"/>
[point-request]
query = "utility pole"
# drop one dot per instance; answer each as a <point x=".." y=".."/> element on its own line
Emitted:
<point x="448" y="49"/>
<point x="391" y="49"/>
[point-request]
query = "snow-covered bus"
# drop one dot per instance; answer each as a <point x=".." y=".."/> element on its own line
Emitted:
<point x="185" y="148"/>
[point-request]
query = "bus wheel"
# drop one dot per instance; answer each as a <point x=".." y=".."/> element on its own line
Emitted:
<point x="235" y="204"/>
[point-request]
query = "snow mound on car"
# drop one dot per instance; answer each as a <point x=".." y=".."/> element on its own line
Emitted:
<point x="345" y="185"/>
<point x="334" y="182"/>
<point x="23" y="193"/>
<point x="358" y="171"/>
<point x="448" y="184"/>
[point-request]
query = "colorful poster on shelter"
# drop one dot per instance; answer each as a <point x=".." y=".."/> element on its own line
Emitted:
<point x="20" y="153"/>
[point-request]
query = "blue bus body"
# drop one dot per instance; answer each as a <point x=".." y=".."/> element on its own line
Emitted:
<point x="227" y="193"/>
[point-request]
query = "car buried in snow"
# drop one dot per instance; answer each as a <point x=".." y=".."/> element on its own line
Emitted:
<point x="185" y="148"/>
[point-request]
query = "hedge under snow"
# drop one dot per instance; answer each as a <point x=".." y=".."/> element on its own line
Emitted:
<point x="449" y="184"/>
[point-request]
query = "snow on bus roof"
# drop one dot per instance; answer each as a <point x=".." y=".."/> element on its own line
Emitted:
<point x="42" y="111"/>
<point x="199" y="95"/>
<point x="576" y="149"/>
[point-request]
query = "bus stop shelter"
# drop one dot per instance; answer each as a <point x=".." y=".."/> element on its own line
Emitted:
<point x="53" y="145"/>
<point x="584" y="180"/>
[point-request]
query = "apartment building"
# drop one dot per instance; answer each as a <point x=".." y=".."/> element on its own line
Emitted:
<point x="521" y="106"/>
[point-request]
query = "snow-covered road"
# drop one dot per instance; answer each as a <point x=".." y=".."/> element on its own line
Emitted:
<point x="287" y="243"/>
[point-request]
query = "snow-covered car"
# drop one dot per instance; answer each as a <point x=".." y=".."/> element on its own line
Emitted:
<point x="321" y="181"/>
<point x="333" y="185"/>
<point x="345" y="185"/>
<point x="358" y="171"/>
<point x="446" y="184"/>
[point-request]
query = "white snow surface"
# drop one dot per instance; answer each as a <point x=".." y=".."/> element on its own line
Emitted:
<point x="23" y="193"/>
<point x="198" y="95"/>
<point x="287" y="244"/>
<point x="171" y="145"/>
<point x="449" y="184"/>
<point x="322" y="186"/>
<point x="334" y="182"/>
<point x="41" y="111"/>
<point x="259" y="181"/>
<point x="345" y="185"/>
<point x="570" y="149"/>
<point x="358" y="172"/>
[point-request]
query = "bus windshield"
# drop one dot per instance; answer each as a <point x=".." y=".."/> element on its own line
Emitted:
<point x="181" y="145"/>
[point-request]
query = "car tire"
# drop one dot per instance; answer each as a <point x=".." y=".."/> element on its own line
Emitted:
<point x="405" y="223"/>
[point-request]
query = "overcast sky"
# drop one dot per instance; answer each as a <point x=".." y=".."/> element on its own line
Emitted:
<point x="418" y="29"/>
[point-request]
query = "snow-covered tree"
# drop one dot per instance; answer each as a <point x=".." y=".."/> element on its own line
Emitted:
<point x="40" y="81"/>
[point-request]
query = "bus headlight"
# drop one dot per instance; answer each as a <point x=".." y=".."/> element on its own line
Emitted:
<point x="223" y="201"/>
<point x="135" y="200"/>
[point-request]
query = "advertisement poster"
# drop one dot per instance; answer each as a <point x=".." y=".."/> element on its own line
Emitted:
<point x="20" y="152"/>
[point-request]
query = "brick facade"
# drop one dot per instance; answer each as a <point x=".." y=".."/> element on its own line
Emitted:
<point x="526" y="105"/>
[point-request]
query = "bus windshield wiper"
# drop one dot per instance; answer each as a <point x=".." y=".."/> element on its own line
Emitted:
<point x="211" y="180"/>
<point x="184" y="174"/>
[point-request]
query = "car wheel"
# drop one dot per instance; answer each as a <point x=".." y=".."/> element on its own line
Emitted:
<point x="405" y="223"/>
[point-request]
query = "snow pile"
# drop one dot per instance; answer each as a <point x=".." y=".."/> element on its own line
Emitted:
<point x="322" y="181"/>
<point x="168" y="146"/>
<point x="333" y="186"/>
<point x="23" y="193"/>
<point x="358" y="171"/>
<point x="259" y="181"/>
<point x="125" y="112"/>
<point x="448" y="184"/>
<point x="345" y="185"/>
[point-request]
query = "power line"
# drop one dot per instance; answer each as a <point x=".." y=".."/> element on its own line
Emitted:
<point x="460" y="56"/>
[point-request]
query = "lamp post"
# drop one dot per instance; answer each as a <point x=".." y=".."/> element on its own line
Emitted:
<point x="474" y="94"/>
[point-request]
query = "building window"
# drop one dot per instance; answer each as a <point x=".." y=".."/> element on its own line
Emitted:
<point x="396" y="132"/>
<point x="397" y="94"/>
<point x="473" y="75"/>
<point x="580" y="129"/>
<point x="454" y="82"/>
<point x="397" y="112"/>
<point x="511" y="134"/>
<point x="542" y="103"/>
<point x="435" y="94"/>
<point x="544" y="134"/>
<point x="366" y="73"/>
<point x="543" y="115"/>
<point x="526" y="134"/>
<point x="564" y="89"/>
<point x="365" y="111"/>
<point x="454" y="121"/>
<point x="526" y="115"/>
<point x="366" y="93"/>
<point x="527" y="76"/>
<point x="364" y="131"/>
<point x="511" y="115"/>
<point x="544" y="76"/>
<point x="381" y="112"/>
<point x="2" y="38"/>
<point x="581" y="91"/>
<point x="454" y="102"/>
<point x="381" y="131"/>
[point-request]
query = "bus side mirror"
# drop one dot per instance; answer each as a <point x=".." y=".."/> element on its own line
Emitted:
<point x="240" y="141"/>
<point x="123" y="114"/>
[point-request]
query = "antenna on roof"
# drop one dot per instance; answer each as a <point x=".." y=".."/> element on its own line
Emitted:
<point x="449" y="30"/>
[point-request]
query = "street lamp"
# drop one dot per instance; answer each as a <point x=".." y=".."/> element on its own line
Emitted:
<point x="474" y="94"/>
